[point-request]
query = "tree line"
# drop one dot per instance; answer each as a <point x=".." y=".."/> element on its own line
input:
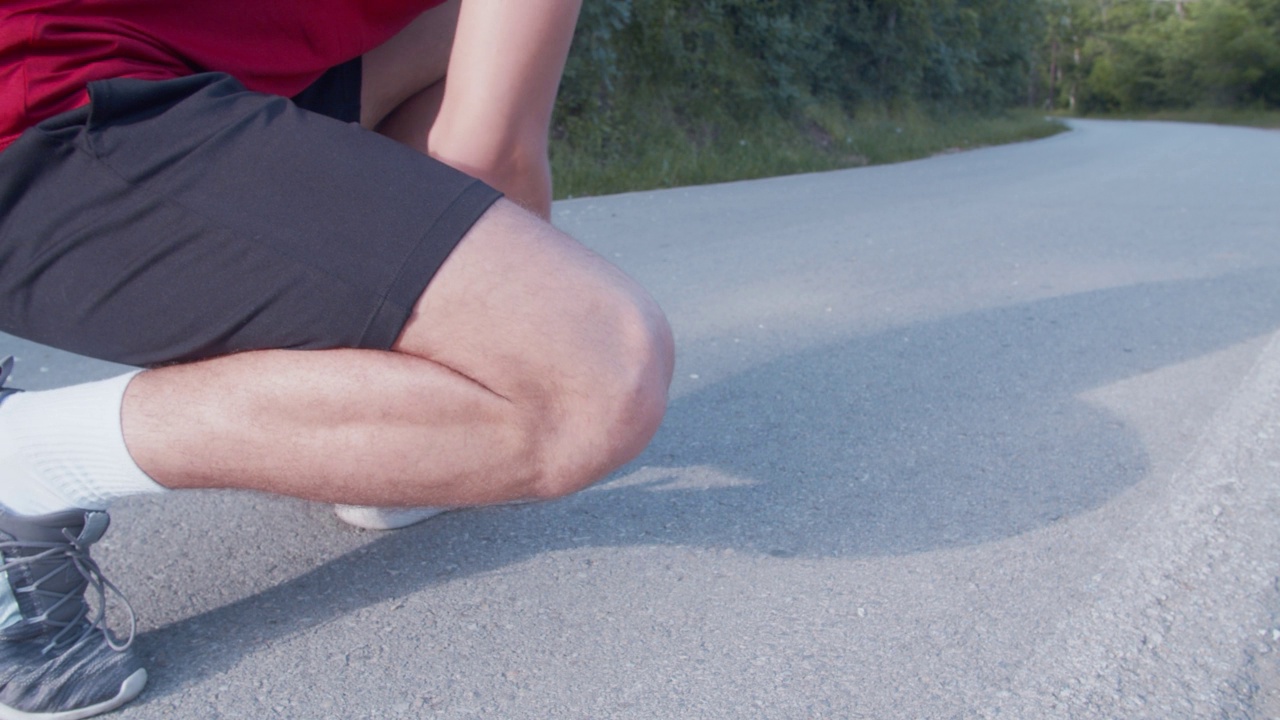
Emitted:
<point x="726" y="60"/>
<point x="1134" y="55"/>
<point x="713" y="61"/>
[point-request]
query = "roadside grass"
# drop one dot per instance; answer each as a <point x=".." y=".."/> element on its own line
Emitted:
<point x="1258" y="118"/>
<point x="658" y="151"/>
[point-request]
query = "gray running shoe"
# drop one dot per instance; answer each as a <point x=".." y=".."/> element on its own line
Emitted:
<point x="58" y="661"/>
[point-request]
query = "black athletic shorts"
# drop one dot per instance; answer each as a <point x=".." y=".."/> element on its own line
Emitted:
<point x="184" y="219"/>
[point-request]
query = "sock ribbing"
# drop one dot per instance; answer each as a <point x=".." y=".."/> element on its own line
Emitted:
<point x="64" y="448"/>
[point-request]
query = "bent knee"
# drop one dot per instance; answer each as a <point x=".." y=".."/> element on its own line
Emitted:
<point x="609" y="416"/>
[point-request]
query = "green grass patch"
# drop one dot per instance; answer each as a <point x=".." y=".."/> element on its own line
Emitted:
<point x="1210" y="115"/>
<point x="661" y="151"/>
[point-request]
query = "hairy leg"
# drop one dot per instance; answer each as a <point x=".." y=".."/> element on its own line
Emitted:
<point x="530" y="368"/>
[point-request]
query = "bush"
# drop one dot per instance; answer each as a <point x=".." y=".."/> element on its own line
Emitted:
<point x="1132" y="55"/>
<point x="700" y="63"/>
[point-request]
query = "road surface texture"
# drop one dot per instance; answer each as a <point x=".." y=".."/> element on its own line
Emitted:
<point x="990" y="435"/>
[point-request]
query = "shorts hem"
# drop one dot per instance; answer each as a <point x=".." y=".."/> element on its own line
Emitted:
<point x="422" y="264"/>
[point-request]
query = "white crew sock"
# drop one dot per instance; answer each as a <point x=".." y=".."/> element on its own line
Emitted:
<point x="63" y="449"/>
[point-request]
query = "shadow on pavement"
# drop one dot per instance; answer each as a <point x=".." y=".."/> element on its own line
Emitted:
<point x="965" y="430"/>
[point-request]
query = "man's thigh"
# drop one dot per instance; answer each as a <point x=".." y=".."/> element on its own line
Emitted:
<point x="186" y="219"/>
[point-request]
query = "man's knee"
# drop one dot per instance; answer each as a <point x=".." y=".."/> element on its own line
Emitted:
<point x="608" y="417"/>
<point x="580" y="354"/>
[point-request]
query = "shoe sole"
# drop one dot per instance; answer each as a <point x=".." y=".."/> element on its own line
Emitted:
<point x="378" y="518"/>
<point x="129" y="690"/>
<point x="383" y="518"/>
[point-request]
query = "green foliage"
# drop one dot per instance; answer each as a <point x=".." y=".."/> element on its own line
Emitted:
<point x="1129" y="55"/>
<point x="702" y="65"/>
<point x="658" y="93"/>
<point x="1239" y="58"/>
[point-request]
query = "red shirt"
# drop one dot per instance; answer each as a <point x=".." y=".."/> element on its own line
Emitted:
<point x="50" y="49"/>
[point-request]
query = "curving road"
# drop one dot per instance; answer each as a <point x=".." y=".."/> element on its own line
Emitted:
<point x="989" y="435"/>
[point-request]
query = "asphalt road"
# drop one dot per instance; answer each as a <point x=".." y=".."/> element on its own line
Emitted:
<point x="989" y="435"/>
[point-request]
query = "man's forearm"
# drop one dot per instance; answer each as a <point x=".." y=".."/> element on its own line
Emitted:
<point x="495" y="112"/>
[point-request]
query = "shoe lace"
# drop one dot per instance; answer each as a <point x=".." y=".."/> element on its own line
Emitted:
<point x="81" y="627"/>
